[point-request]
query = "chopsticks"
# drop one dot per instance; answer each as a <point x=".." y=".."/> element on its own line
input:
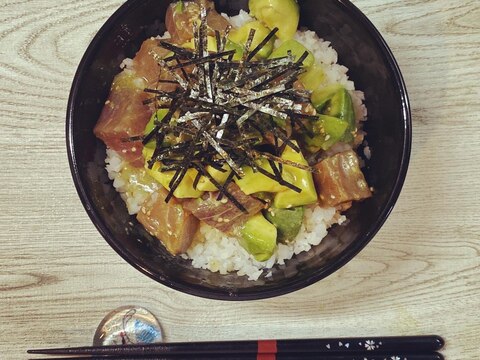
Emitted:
<point x="299" y="356"/>
<point x="371" y="348"/>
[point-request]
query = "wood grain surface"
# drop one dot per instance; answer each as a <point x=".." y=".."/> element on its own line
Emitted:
<point x="420" y="275"/>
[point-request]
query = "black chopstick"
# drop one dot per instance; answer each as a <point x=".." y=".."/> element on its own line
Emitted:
<point x="293" y="356"/>
<point x="412" y="344"/>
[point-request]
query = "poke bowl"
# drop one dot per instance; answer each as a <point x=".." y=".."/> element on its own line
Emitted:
<point x="233" y="151"/>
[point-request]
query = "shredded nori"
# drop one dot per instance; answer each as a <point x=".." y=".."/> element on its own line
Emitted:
<point x="220" y="112"/>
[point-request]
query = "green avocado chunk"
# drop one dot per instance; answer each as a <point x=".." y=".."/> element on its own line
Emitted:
<point x="156" y="117"/>
<point x="259" y="237"/>
<point x="287" y="221"/>
<point x="240" y="36"/>
<point x="301" y="178"/>
<point x="283" y="14"/>
<point x="296" y="49"/>
<point x="230" y="45"/>
<point x="335" y="101"/>
<point x="327" y="131"/>
<point x="313" y="77"/>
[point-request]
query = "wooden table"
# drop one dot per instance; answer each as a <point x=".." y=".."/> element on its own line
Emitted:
<point x="420" y="275"/>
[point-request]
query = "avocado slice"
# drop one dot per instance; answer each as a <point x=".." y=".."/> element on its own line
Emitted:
<point x="157" y="116"/>
<point x="184" y="190"/>
<point x="341" y="106"/>
<point x="220" y="176"/>
<point x="259" y="237"/>
<point x="321" y="96"/>
<point x="240" y="36"/>
<point x="327" y="131"/>
<point x="287" y="221"/>
<point x="254" y="182"/>
<point x="212" y="46"/>
<point x="335" y="101"/>
<point x="297" y="51"/>
<point x="283" y="14"/>
<point x="313" y="77"/>
<point x="301" y="178"/>
<point x="230" y="45"/>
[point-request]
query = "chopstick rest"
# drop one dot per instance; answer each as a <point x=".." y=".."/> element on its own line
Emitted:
<point x="128" y="325"/>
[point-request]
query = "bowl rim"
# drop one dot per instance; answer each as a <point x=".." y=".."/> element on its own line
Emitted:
<point x="225" y="293"/>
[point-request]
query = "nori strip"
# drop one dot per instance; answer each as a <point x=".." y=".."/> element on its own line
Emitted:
<point x="202" y="60"/>
<point x="219" y="110"/>
<point x="196" y="180"/>
<point x="222" y="189"/>
<point x="179" y="51"/>
<point x="262" y="44"/>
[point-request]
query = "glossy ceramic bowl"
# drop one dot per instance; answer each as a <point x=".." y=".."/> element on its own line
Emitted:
<point x="372" y="68"/>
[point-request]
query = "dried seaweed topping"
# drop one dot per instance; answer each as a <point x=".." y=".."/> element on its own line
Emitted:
<point x="221" y="111"/>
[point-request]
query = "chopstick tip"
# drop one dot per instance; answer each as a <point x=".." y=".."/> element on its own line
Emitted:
<point x="440" y="342"/>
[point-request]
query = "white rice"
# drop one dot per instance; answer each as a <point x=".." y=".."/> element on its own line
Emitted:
<point x="224" y="254"/>
<point x="133" y="184"/>
<point x="220" y="252"/>
<point x="127" y="63"/>
<point x="239" y="20"/>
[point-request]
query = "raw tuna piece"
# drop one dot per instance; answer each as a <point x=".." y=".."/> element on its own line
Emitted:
<point x="340" y="180"/>
<point x="224" y="215"/>
<point x="146" y="67"/>
<point x="174" y="226"/>
<point x="124" y="116"/>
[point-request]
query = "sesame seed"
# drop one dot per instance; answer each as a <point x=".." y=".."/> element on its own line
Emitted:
<point x="169" y="233"/>
<point x="134" y="149"/>
<point x="144" y="210"/>
<point x="220" y="219"/>
<point x="124" y="151"/>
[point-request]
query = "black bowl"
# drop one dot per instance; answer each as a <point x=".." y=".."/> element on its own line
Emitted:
<point x="372" y="67"/>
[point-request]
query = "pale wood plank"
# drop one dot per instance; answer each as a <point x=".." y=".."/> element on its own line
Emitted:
<point x="419" y="275"/>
